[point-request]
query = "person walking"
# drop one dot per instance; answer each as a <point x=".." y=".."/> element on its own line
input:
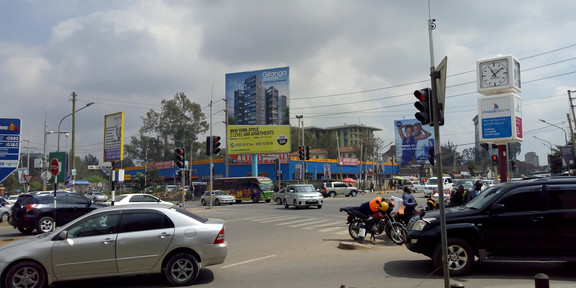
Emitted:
<point x="409" y="204"/>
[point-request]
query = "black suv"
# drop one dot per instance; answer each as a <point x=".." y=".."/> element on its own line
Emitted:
<point x="531" y="220"/>
<point x="36" y="211"/>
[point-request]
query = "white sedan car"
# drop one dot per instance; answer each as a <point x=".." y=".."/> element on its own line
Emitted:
<point x="218" y="197"/>
<point x="137" y="198"/>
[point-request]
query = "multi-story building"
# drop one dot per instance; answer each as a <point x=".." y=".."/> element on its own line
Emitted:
<point x="532" y="158"/>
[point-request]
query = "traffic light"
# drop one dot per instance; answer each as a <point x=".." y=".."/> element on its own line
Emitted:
<point x="208" y="148"/>
<point x="494" y="160"/>
<point x="424" y="106"/>
<point x="301" y="152"/>
<point x="307" y="152"/>
<point x="180" y="157"/>
<point x="215" y="145"/>
<point x="276" y="164"/>
<point x="431" y="155"/>
<point x="484" y="146"/>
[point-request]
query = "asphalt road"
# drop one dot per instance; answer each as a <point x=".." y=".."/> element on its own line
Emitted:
<point x="270" y="246"/>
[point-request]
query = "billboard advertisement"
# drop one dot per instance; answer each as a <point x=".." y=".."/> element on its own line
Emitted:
<point x="500" y="118"/>
<point x="258" y="97"/>
<point x="250" y="139"/>
<point x="114" y="137"/>
<point x="412" y="142"/>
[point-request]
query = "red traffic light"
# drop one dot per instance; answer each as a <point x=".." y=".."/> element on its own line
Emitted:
<point x="494" y="160"/>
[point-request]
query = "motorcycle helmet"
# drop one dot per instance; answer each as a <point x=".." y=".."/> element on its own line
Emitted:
<point x="383" y="206"/>
<point x="375" y="204"/>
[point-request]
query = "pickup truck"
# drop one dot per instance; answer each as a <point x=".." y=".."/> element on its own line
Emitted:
<point x="333" y="189"/>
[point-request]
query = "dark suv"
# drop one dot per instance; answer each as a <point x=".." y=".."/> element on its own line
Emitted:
<point x="36" y="211"/>
<point x="530" y="220"/>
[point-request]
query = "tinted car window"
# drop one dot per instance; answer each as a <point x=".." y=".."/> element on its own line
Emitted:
<point x="140" y="221"/>
<point x="191" y="215"/>
<point x="562" y="197"/>
<point x="524" y="199"/>
<point x="77" y="199"/>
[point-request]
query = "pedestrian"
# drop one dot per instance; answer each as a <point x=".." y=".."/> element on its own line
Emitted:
<point x="457" y="197"/>
<point x="477" y="188"/>
<point x="409" y="204"/>
<point x="371" y="187"/>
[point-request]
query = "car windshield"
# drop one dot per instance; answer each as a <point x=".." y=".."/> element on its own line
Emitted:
<point x="304" y="189"/>
<point x="484" y="197"/>
<point x="266" y="186"/>
<point x="432" y="182"/>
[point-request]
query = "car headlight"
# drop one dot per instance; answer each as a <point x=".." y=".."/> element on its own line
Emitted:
<point x="421" y="223"/>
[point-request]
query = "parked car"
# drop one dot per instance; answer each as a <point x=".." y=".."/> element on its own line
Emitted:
<point x="302" y="195"/>
<point x="4" y="214"/>
<point x="218" y="197"/>
<point x="523" y="220"/>
<point x="36" y="211"/>
<point x="96" y="196"/>
<point x="137" y="198"/>
<point x="11" y="200"/>
<point x="415" y="186"/>
<point x="333" y="189"/>
<point x="279" y="196"/>
<point x="432" y="184"/>
<point x="468" y="184"/>
<point x="487" y="183"/>
<point x="118" y="241"/>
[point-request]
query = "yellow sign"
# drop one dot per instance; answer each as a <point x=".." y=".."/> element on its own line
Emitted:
<point x="255" y="139"/>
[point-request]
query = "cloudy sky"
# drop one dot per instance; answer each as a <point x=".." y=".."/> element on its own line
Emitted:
<point x="351" y="62"/>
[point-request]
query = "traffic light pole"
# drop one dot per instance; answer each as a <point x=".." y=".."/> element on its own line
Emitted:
<point x="502" y="163"/>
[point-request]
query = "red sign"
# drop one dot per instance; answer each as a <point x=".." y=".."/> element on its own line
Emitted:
<point x="54" y="167"/>
<point x="162" y="165"/>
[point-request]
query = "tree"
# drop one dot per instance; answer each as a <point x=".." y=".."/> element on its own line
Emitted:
<point x="177" y="124"/>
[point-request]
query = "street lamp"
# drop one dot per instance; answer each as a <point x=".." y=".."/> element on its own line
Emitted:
<point x="545" y="144"/>
<point x="60" y="124"/>
<point x="565" y="135"/>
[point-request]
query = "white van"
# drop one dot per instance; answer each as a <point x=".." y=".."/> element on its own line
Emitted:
<point x="432" y="184"/>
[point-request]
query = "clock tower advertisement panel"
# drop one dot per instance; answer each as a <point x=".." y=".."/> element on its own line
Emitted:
<point x="500" y="118"/>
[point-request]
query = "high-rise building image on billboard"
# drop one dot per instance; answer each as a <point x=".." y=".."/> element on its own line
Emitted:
<point x="258" y="97"/>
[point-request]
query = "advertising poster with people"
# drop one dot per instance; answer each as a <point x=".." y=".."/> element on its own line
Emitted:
<point x="413" y="141"/>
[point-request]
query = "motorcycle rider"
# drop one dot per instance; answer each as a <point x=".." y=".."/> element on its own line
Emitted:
<point x="367" y="209"/>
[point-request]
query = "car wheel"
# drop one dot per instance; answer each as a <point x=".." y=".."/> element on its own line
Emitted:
<point x="294" y="204"/>
<point x="332" y="194"/>
<point x="353" y="193"/>
<point x="25" y="230"/>
<point x="397" y="234"/>
<point x="278" y="201"/>
<point x="217" y="202"/>
<point x="460" y="257"/>
<point x="286" y="204"/>
<point x="45" y="225"/>
<point x="4" y="217"/>
<point x="268" y="200"/>
<point x="203" y="202"/>
<point x="25" y="274"/>
<point x="181" y="270"/>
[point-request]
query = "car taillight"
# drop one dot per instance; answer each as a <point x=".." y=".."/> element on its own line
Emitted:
<point x="220" y="237"/>
<point x="30" y="207"/>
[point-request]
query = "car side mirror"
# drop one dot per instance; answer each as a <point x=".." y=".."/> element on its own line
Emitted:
<point x="63" y="235"/>
<point x="496" y="208"/>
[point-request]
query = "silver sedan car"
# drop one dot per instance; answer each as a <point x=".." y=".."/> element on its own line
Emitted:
<point x="117" y="241"/>
<point x="219" y="197"/>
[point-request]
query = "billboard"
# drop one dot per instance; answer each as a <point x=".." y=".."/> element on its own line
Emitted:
<point x="412" y="142"/>
<point x="258" y="97"/>
<point x="500" y="118"/>
<point x="249" y="139"/>
<point x="114" y="137"/>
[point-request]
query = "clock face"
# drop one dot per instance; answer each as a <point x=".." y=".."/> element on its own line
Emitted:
<point x="494" y="74"/>
<point x="517" y="74"/>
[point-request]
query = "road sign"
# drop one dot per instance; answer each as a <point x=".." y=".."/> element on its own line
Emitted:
<point x="9" y="146"/>
<point x="54" y="167"/>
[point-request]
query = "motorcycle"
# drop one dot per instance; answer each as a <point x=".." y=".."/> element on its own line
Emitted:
<point x="378" y="223"/>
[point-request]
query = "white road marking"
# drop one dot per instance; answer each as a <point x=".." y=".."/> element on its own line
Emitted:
<point x="248" y="261"/>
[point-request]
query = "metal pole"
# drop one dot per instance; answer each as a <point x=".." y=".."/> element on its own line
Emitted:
<point x="565" y="134"/>
<point x="211" y="157"/>
<point x="572" y="136"/>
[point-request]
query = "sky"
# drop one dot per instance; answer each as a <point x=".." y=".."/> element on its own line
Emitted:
<point x="351" y="62"/>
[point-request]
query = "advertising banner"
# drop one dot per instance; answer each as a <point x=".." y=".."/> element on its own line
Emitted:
<point x="412" y="142"/>
<point x="114" y="137"/>
<point x="259" y="97"/>
<point x="267" y="158"/>
<point x="9" y="146"/>
<point x="500" y="118"/>
<point x="248" y="139"/>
